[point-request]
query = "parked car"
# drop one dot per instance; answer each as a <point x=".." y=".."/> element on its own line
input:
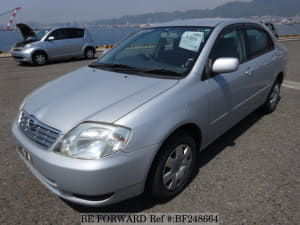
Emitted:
<point x="39" y="47"/>
<point x="134" y="120"/>
<point x="272" y="28"/>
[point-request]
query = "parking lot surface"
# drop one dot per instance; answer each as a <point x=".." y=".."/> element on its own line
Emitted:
<point x="249" y="176"/>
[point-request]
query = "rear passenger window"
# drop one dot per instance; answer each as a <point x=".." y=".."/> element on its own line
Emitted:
<point x="259" y="42"/>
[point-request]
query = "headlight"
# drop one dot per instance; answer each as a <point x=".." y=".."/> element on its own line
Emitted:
<point x="93" y="141"/>
<point x="28" y="46"/>
<point x="21" y="108"/>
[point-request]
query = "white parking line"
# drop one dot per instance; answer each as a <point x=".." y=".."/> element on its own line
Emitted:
<point x="291" y="84"/>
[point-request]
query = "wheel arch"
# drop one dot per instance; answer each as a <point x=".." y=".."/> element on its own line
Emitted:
<point x="190" y="128"/>
<point x="87" y="47"/>
<point x="39" y="50"/>
<point x="280" y="77"/>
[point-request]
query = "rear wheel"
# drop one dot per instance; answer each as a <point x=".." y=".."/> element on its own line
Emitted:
<point x="173" y="167"/>
<point x="273" y="98"/>
<point x="39" y="58"/>
<point x="89" y="53"/>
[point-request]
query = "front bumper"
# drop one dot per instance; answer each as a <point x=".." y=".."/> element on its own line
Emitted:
<point x="88" y="182"/>
<point x="22" y="55"/>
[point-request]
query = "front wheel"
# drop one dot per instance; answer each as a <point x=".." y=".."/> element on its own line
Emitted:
<point x="273" y="98"/>
<point x="39" y="58"/>
<point x="89" y="53"/>
<point x="173" y="167"/>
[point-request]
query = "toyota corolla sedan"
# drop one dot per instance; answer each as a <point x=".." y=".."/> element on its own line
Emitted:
<point x="134" y="120"/>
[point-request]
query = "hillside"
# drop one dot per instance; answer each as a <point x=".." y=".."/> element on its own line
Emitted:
<point x="232" y="10"/>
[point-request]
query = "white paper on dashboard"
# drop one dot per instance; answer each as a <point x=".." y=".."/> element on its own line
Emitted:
<point x="191" y="40"/>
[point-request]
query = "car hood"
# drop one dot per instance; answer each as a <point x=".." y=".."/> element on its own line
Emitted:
<point x="26" y="31"/>
<point x="91" y="95"/>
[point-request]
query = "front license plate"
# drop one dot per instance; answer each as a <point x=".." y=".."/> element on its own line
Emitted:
<point x="24" y="153"/>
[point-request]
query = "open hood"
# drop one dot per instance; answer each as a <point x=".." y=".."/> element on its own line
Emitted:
<point x="26" y="31"/>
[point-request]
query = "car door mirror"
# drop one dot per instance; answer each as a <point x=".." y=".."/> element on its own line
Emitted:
<point x="51" y="38"/>
<point x="225" y="65"/>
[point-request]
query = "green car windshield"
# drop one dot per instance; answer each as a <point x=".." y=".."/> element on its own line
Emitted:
<point x="165" y="51"/>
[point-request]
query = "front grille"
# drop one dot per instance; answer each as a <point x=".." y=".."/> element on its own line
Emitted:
<point x="38" y="132"/>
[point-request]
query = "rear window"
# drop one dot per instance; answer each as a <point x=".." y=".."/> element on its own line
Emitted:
<point x="259" y="41"/>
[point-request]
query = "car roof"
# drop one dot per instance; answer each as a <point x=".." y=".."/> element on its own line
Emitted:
<point x="77" y="28"/>
<point x="209" y="22"/>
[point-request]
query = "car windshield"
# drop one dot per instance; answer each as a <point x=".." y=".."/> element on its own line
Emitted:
<point x="41" y="33"/>
<point x="163" y="51"/>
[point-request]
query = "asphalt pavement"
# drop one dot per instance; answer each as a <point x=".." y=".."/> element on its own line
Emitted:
<point x="249" y="176"/>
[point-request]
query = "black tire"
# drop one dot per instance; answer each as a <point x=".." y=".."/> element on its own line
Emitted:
<point x="39" y="58"/>
<point x="273" y="98"/>
<point x="157" y="185"/>
<point x="89" y="53"/>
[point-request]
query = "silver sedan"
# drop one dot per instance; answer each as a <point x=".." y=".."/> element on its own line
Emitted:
<point x="134" y="120"/>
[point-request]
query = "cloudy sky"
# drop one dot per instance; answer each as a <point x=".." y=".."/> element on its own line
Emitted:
<point x="48" y="11"/>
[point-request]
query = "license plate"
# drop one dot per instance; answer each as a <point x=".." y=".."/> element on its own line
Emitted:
<point x="24" y="153"/>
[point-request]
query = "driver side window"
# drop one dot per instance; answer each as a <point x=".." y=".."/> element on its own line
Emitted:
<point x="229" y="44"/>
<point x="58" y="35"/>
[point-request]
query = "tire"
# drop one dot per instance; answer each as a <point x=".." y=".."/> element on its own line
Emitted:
<point x="89" y="53"/>
<point x="172" y="168"/>
<point x="273" y="98"/>
<point x="39" y="58"/>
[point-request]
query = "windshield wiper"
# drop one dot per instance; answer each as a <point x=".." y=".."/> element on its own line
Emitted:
<point x="122" y="67"/>
<point x="163" y="72"/>
<point x="112" y="66"/>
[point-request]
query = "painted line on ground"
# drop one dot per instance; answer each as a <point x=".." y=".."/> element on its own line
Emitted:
<point x="291" y="84"/>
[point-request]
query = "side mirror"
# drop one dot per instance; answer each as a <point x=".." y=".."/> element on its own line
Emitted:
<point x="51" y="38"/>
<point x="225" y="65"/>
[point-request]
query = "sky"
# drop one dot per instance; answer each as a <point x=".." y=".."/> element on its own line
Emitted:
<point x="50" y="11"/>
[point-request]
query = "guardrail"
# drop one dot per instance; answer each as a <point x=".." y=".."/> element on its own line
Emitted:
<point x="289" y="35"/>
<point x="105" y="46"/>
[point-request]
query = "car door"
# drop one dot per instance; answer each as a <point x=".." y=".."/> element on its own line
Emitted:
<point x="261" y="52"/>
<point x="228" y="92"/>
<point x="57" y="46"/>
<point x="75" y="41"/>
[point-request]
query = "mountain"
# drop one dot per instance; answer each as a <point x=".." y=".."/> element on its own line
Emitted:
<point x="259" y="8"/>
<point x="229" y="10"/>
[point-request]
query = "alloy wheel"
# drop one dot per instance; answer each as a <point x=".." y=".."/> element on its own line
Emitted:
<point x="176" y="167"/>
